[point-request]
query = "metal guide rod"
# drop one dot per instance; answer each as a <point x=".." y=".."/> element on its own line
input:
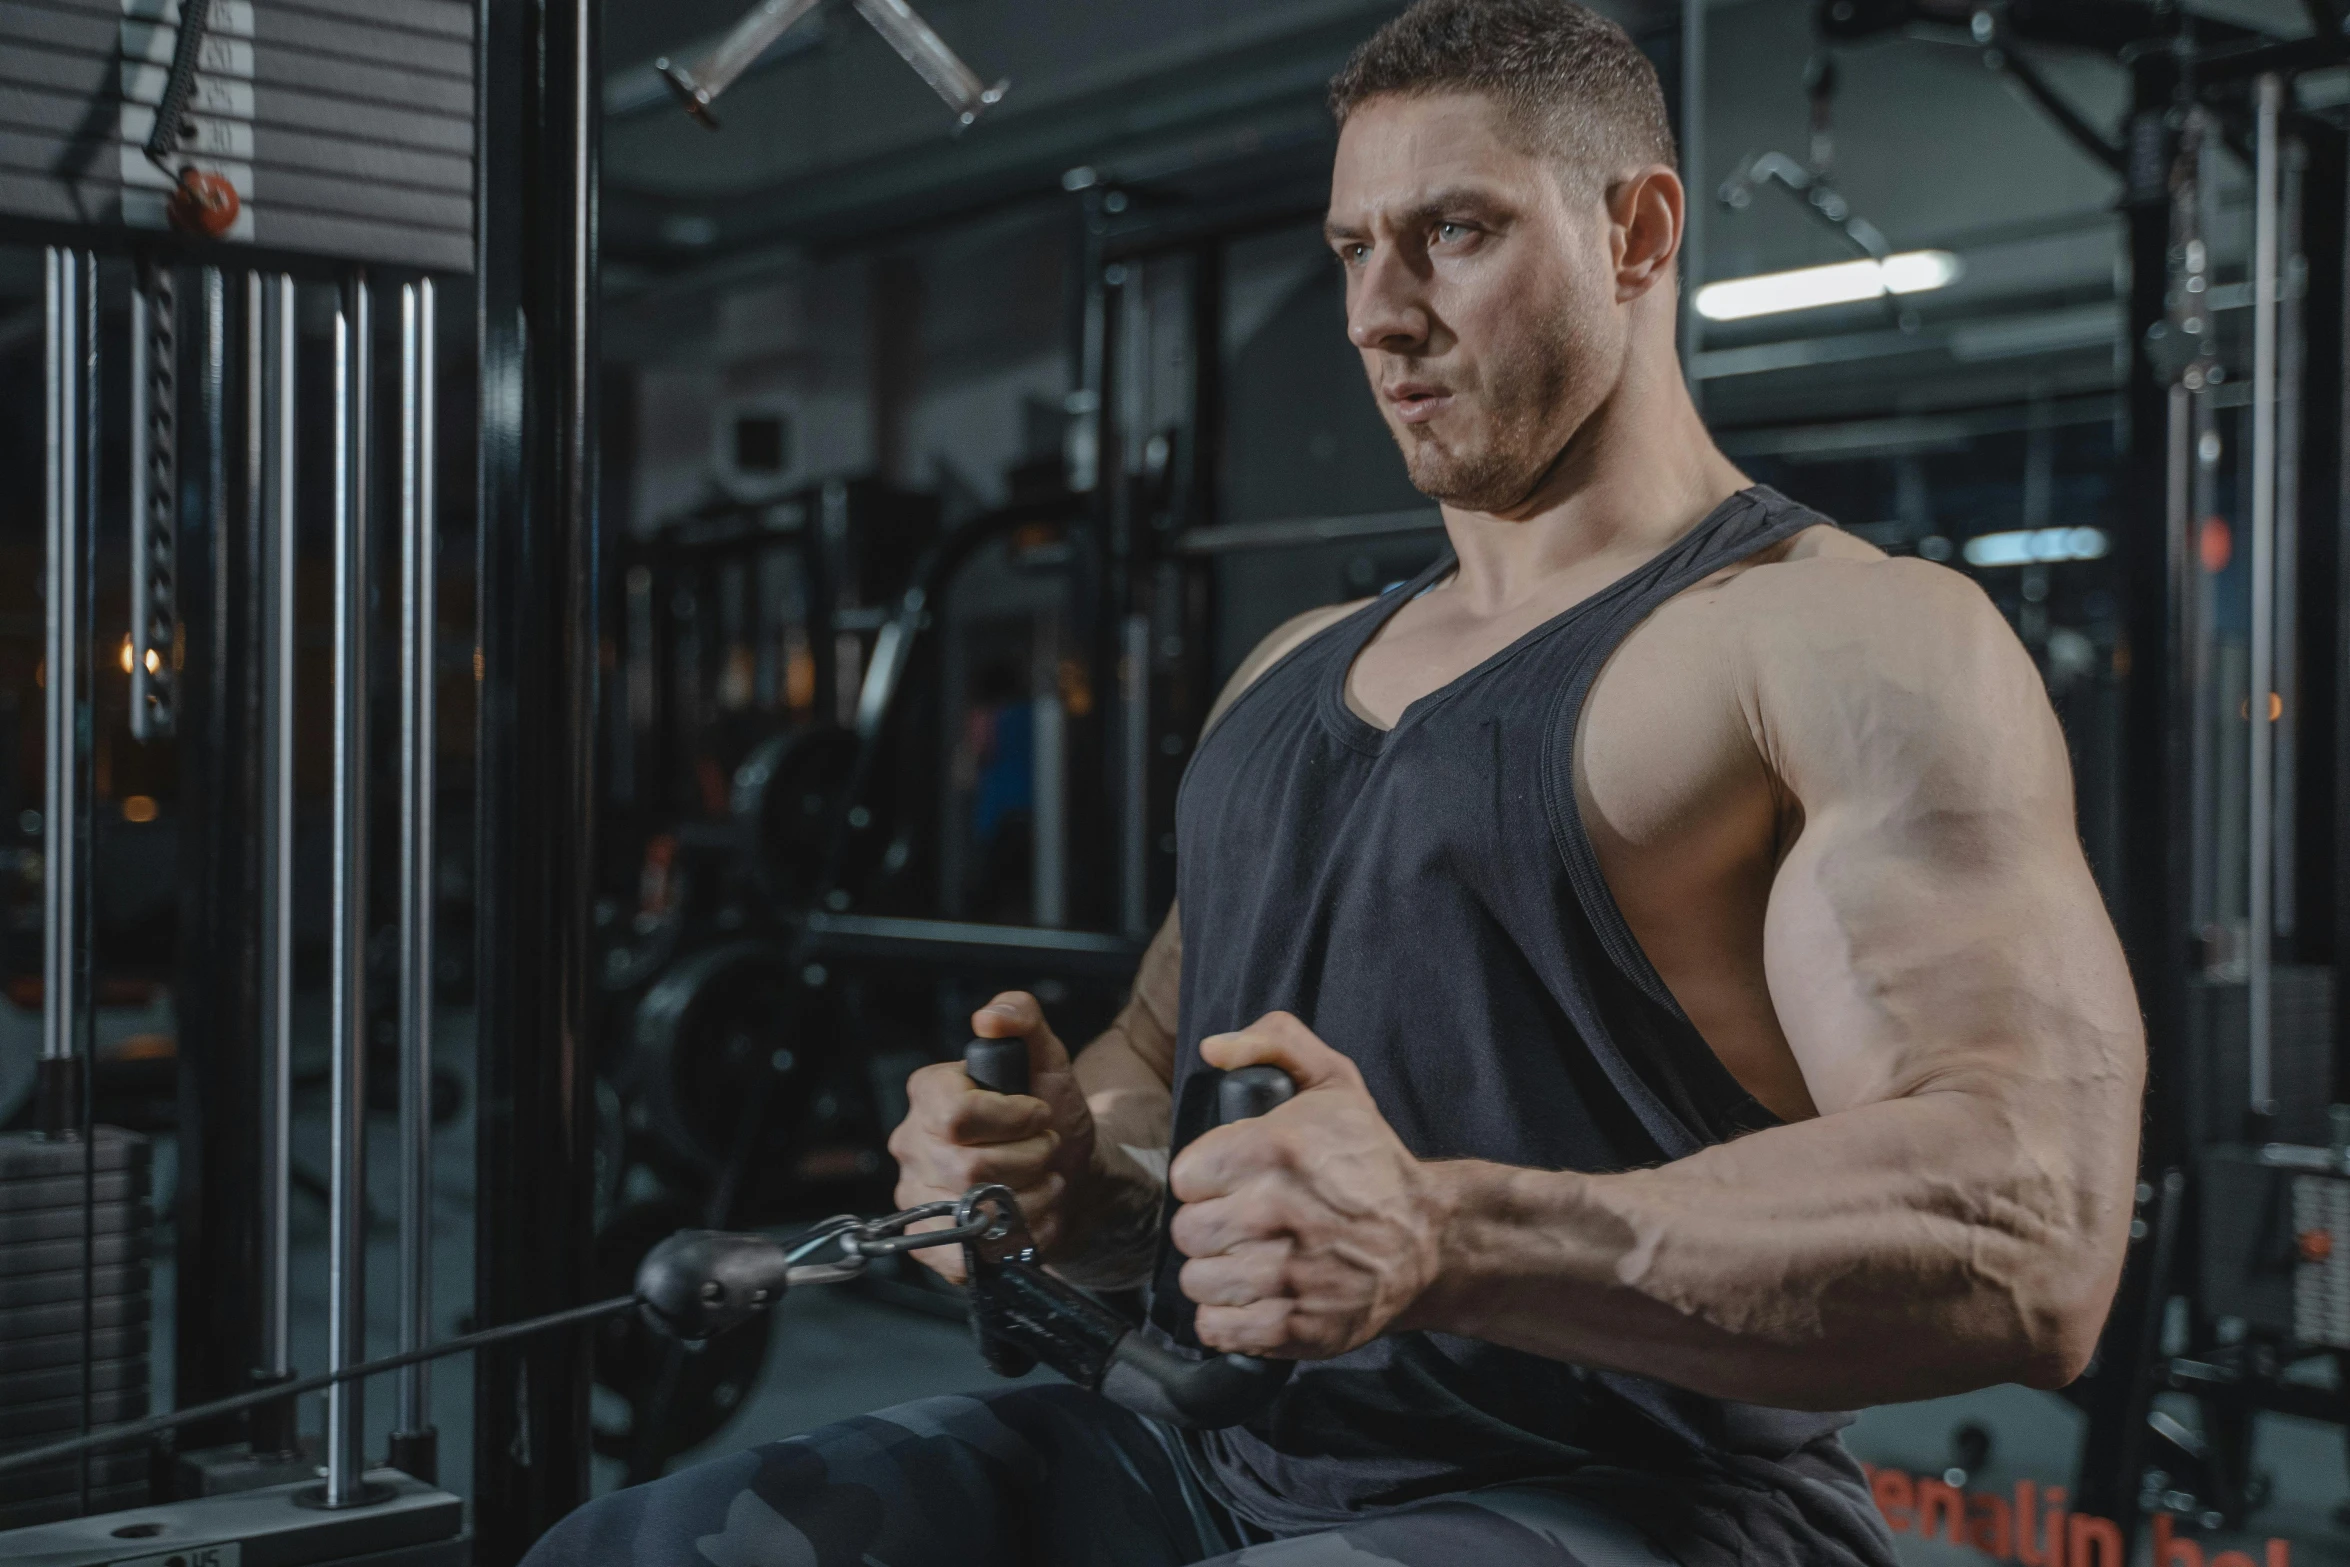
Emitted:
<point x="271" y="306"/>
<point x="2260" y="814"/>
<point x="70" y="381"/>
<point x="347" y="1244"/>
<point x="2292" y="270"/>
<point x="416" y="845"/>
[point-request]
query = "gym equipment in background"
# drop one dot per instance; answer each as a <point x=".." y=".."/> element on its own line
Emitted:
<point x="697" y="86"/>
<point x="704" y="1287"/>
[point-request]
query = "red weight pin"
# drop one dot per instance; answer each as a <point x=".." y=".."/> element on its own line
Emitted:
<point x="203" y="204"/>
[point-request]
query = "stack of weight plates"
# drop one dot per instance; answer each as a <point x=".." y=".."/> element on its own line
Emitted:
<point x="45" y="1299"/>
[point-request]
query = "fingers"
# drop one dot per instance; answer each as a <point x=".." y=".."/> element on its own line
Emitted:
<point x="1221" y="1224"/>
<point x="1257" y="1270"/>
<point x="1267" y="1328"/>
<point x="1219" y="1160"/>
<point x="942" y="1102"/>
<point x="1016" y="1014"/>
<point x="955" y="1167"/>
<point x="1281" y="1039"/>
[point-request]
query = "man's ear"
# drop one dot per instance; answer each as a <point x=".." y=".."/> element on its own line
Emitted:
<point x="1646" y="211"/>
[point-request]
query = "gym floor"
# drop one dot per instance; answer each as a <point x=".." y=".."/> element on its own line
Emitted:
<point x="837" y="1353"/>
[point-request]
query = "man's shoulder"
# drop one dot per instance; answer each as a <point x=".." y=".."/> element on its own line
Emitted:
<point x="1847" y="595"/>
<point x="1865" y="661"/>
<point x="1824" y="606"/>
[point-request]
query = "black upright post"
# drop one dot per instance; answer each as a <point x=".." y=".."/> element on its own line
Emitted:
<point x="2151" y="906"/>
<point x="2318" y="921"/>
<point x="219" y="982"/>
<point x="539" y="568"/>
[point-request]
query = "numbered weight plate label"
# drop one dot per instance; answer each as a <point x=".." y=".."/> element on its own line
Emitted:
<point x="230" y="1554"/>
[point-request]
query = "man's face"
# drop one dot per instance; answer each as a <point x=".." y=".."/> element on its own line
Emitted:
<point x="1479" y="289"/>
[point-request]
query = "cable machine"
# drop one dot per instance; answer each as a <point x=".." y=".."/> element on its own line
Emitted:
<point x="261" y="226"/>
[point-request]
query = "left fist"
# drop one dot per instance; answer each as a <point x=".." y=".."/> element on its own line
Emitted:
<point x="1310" y="1229"/>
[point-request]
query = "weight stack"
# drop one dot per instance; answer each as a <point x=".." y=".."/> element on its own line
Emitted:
<point x="45" y="1300"/>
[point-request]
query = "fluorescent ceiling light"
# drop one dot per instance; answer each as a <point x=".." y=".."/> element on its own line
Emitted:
<point x="2036" y="547"/>
<point x="1808" y="288"/>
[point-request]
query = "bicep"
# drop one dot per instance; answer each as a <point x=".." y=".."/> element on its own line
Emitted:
<point x="1934" y="925"/>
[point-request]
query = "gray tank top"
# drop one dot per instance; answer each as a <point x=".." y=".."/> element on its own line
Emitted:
<point x="1427" y="900"/>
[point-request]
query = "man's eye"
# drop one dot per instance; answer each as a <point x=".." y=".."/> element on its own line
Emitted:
<point x="1446" y="233"/>
<point x="1353" y="255"/>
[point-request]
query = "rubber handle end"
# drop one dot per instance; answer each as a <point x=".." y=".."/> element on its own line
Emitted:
<point x="1249" y="1091"/>
<point x="999" y="1065"/>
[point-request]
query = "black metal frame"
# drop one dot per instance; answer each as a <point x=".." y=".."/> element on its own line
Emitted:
<point x="540" y="564"/>
<point x="219" y="997"/>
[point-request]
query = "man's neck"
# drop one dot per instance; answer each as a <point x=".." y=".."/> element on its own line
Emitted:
<point x="1640" y="472"/>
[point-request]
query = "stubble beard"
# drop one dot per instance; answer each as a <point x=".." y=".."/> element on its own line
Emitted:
<point x="1506" y="434"/>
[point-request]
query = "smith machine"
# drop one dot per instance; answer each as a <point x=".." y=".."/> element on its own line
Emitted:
<point x="2237" y="1292"/>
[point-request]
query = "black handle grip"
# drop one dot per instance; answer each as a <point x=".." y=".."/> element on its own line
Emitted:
<point x="1204" y="1393"/>
<point x="997" y="1064"/>
<point x="1249" y="1091"/>
<point x="1221" y="1390"/>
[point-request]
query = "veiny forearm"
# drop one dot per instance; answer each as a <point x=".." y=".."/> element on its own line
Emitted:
<point x="1897" y="1250"/>
<point x="1112" y="1231"/>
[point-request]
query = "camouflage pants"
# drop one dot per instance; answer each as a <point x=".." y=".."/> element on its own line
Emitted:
<point x="1042" y="1475"/>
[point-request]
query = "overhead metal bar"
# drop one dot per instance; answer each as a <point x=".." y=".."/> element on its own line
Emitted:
<point x="697" y="86"/>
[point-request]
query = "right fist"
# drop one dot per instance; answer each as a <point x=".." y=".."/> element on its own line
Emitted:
<point x="957" y="1135"/>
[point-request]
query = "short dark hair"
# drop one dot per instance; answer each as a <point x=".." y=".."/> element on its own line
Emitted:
<point x="1570" y="78"/>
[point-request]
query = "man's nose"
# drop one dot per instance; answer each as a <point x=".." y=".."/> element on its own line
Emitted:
<point x="1387" y="308"/>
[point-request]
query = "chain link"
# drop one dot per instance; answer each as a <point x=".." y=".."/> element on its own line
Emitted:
<point x="854" y="1242"/>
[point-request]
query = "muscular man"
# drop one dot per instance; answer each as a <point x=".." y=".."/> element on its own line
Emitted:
<point x="1670" y="908"/>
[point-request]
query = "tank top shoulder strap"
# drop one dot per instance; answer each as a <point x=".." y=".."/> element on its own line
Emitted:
<point x="1336" y="643"/>
<point x="1751" y="521"/>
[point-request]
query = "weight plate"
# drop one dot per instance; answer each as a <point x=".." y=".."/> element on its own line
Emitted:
<point x="104" y="1251"/>
<point x="716" y="1036"/>
<point x="24" y="1154"/>
<point x="51" y="1480"/>
<point x="65" y="1191"/>
<point x="67" y="1504"/>
<point x="38" y="1289"/>
<point x="48" y="1224"/>
<point x="786" y="793"/>
<point x="52" y="1417"/>
<point x="106" y="1376"/>
<point x="712" y="1383"/>
<point x="63" y="1349"/>
<point x="106" y="1311"/>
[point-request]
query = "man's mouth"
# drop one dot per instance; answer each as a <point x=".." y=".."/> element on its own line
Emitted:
<point x="1416" y="402"/>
